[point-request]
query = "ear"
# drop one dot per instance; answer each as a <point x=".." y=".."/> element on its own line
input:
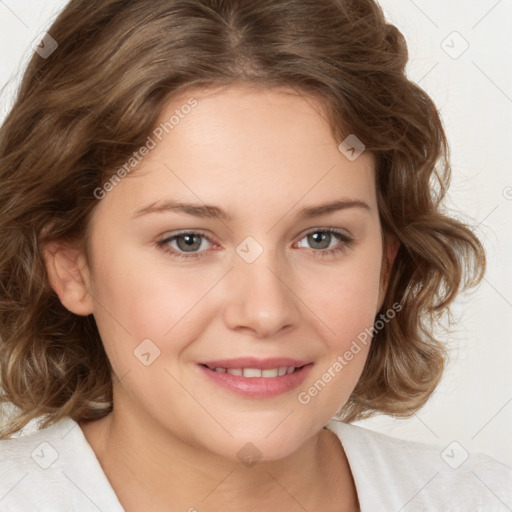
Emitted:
<point x="69" y="277"/>
<point x="388" y="258"/>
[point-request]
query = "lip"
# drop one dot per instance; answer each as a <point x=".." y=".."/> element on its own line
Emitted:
<point x="254" y="362"/>
<point x="257" y="387"/>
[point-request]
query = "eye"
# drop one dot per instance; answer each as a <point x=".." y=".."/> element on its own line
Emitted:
<point x="186" y="244"/>
<point x="320" y="240"/>
<point x="194" y="244"/>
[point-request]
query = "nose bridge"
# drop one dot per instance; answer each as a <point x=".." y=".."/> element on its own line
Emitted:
<point x="259" y="295"/>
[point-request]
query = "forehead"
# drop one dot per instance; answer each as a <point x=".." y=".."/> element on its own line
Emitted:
<point x="239" y="115"/>
<point x="245" y="145"/>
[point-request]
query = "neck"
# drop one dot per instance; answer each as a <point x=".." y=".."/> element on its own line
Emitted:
<point x="149" y="468"/>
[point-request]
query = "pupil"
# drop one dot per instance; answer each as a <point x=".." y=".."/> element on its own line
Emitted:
<point x="191" y="242"/>
<point x="319" y="237"/>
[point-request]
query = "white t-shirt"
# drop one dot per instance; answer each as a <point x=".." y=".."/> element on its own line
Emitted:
<point x="56" y="470"/>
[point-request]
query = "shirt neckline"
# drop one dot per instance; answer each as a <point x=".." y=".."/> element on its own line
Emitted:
<point x="73" y="436"/>
<point x="87" y="474"/>
<point x="344" y="431"/>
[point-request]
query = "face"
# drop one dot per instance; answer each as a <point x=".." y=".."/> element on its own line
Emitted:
<point x="251" y="275"/>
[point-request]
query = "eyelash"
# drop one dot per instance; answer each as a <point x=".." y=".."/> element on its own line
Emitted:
<point x="346" y="243"/>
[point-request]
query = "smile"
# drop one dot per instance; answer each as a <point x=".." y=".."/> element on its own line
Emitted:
<point x="253" y="381"/>
<point x="257" y="372"/>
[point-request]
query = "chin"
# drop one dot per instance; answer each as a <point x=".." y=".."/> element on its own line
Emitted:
<point x="259" y="446"/>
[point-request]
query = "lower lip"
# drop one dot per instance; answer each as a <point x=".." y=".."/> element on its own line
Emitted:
<point x="258" y="387"/>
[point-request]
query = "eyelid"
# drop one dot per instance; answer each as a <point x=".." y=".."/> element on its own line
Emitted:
<point x="204" y="233"/>
<point x="192" y="231"/>
<point x="345" y="241"/>
<point x="163" y="244"/>
<point x="338" y="231"/>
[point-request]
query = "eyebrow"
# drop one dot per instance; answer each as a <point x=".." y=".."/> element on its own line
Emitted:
<point x="214" y="212"/>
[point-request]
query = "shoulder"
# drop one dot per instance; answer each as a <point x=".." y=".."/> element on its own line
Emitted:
<point x="27" y="465"/>
<point x="406" y="475"/>
<point x="31" y="448"/>
<point x="52" y="469"/>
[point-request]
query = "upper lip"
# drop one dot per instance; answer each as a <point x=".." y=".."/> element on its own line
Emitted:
<point x="254" y="362"/>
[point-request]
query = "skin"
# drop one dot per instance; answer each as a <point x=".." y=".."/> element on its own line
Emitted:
<point x="173" y="437"/>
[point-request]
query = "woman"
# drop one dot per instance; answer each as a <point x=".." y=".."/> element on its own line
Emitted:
<point x="224" y="243"/>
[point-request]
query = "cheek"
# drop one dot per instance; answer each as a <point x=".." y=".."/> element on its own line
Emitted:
<point x="136" y="301"/>
<point x="346" y="306"/>
<point x="346" y="297"/>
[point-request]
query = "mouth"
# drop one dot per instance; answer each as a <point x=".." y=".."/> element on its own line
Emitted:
<point x="251" y="373"/>
<point x="255" y="378"/>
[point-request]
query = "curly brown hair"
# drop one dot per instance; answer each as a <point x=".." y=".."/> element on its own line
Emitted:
<point x="83" y="110"/>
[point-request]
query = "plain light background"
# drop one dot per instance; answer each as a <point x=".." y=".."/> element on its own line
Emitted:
<point x="461" y="54"/>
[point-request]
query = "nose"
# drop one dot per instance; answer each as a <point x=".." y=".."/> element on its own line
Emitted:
<point x="260" y="297"/>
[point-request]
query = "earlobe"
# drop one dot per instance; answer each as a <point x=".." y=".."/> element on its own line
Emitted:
<point x="69" y="277"/>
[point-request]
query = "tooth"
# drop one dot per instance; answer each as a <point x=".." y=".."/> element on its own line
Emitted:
<point x="252" y="372"/>
<point x="256" y="372"/>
